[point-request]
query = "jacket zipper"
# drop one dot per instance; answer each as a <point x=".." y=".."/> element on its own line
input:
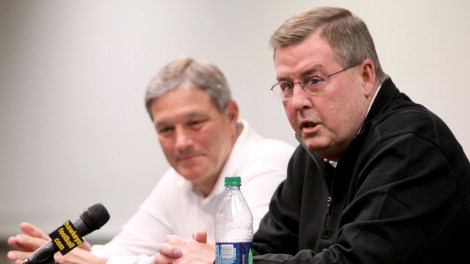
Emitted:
<point x="326" y="225"/>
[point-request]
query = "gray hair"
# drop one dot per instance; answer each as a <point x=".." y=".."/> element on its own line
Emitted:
<point x="346" y="33"/>
<point x="184" y="71"/>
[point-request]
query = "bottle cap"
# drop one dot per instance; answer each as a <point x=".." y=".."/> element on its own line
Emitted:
<point x="233" y="181"/>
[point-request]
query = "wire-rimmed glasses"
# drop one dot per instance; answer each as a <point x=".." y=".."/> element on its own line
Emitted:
<point x="311" y="84"/>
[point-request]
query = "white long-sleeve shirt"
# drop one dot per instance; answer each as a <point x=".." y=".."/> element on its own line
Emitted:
<point x="175" y="207"/>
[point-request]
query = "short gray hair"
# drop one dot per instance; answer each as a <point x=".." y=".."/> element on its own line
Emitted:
<point x="347" y="34"/>
<point x="182" y="71"/>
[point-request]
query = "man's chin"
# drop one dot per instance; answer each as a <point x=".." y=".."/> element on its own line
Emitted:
<point x="189" y="174"/>
<point x="314" y="144"/>
<point x="323" y="150"/>
<point x="188" y="170"/>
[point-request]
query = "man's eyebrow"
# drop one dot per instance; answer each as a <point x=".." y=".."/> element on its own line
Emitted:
<point x="160" y="123"/>
<point x="309" y="72"/>
<point x="187" y="117"/>
<point x="195" y="114"/>
<point x="312" y="70"/>
<point x="280" y="79"/>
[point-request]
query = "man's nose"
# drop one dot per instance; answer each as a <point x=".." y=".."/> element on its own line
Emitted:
<point x="300" y="97"/>
<point x="183" y="138"/>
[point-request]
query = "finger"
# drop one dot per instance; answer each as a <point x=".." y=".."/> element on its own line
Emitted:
<point x="200" y="236"/>
<point x="17" y="255"/>
<point x="25" y="243"/>
<point x="59" y="258"/>
<point x="85" y="245"/>
<point x="78" y="255"/>
<point x="172" y="239"/>
<point x="169" y="250"/>
<point x="162" y="259"/>
<point x="12" y="242"/>
<point x="33" y="231"/>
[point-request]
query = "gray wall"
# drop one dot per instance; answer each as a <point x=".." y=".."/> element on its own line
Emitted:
<point x="73" y="127"/>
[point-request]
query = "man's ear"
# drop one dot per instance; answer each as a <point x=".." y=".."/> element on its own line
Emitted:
<point x="232" y="111"/>
<point x="368" y="77"/>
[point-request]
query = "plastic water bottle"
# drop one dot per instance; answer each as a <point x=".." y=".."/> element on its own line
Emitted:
<point x="233" y="226"/>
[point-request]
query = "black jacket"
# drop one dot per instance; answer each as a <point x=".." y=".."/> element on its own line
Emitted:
<point x="399" y="194"/>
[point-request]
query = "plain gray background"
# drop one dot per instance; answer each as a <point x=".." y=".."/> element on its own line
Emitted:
<point x="73" y="127"/>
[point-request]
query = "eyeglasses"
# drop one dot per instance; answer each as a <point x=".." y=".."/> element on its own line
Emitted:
<point x="311" y="84"/>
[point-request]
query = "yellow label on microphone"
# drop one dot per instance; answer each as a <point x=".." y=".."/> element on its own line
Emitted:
<point x="66" y="237"/>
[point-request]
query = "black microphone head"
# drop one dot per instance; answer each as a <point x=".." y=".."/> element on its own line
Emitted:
<point x="95" y="216"/>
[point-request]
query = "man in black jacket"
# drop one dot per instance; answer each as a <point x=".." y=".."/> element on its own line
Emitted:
<point x="377" y="178"/>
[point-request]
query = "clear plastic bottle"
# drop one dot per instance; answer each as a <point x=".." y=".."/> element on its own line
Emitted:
<point x="233" y="226"/>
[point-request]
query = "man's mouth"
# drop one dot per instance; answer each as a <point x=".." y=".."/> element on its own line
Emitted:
<point x="187" y="156"/>
<point x="308" y="124"/>
<point x="309" y="127"/>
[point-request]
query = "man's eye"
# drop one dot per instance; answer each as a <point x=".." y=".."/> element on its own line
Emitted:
<point x="312" y="81"/>
<point x="286" y="86"/>
<point x="164" y="130"/>
<point x="197" y="123"/>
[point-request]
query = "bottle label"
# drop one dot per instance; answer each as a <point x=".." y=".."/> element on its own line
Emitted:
<point x="234" y="253"/>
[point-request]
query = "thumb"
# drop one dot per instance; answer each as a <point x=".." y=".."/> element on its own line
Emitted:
<point x="200" y="236"/>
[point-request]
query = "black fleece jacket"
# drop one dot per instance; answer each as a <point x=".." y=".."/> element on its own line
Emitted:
<point x="399" y="194"/>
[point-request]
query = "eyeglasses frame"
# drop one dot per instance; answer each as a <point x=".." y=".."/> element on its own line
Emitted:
<point x="322" y="78"/>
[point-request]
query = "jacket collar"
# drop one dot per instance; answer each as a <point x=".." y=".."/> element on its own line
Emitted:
<point x="386" y="95"/>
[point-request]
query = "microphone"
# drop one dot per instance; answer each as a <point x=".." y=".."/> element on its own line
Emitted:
<point x="69" y="235"/>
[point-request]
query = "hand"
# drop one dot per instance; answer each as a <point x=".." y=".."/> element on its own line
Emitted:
<point x="33" y="238"/>
<point x="79" y="255"/>
<point x="26" y="243"/>
<point x="175" y="249"/>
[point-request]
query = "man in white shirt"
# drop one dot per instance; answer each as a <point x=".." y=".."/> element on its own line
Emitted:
<point x="204" y="141"/>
